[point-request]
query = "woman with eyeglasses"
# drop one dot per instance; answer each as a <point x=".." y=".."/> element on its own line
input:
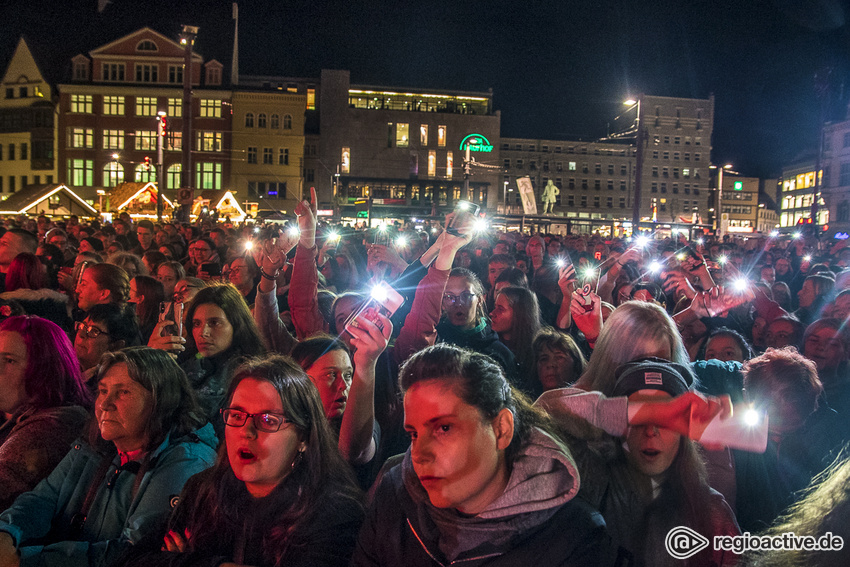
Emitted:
<point x="201" y="251"/>
<point x="106" y="328"/>
<point x="42" y="402"/>
<point x="279" y="494"/>
<point x="110" y="490"/>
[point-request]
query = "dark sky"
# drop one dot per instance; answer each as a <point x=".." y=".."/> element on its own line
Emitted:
<point x="557" y="69"/>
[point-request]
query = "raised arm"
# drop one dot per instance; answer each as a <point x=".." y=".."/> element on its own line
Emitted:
<point x="304" y="285"/>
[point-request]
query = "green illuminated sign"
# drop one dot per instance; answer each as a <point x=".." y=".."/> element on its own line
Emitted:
<point x="362" y="214"/>
<point x="739" y="186"/>
<point x="477" y="143"/>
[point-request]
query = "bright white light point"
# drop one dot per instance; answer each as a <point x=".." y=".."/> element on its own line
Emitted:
<point x="774" y="233"/>
<point x="700" y="241"/>
<point x="379" y="293"/>
<point x="723" y="259"/>
<point x="293" y="231"/>
<point x="560" y="262"/>
<point x="463" y="206"/>
<point x="740" y="284"/>
<point x="249" y="245"/>
<point x="257" y="229"/>
<point x="807" y="258"/>
<point x="796" y="235"/>
<point x="382" y="228"/>
<point x="480" y="225"/>
<point x="641" y="241"/>
<point x="434" y="231"/>
<point x="752" y="417"/>
<point x="333" y="236"/>
<point x="681" y="257"/>
<point x="401" y="241"/>
<point x="654" y="266"/>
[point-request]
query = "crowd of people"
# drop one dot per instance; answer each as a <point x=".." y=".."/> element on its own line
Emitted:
<point x="212" y="393"/>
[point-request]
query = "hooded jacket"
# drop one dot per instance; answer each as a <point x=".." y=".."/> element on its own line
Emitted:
<point x="40" y="521"/>
<point x="536" y="520"/>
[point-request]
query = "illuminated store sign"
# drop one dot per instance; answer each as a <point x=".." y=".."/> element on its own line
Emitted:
<point x="477" y="143"/>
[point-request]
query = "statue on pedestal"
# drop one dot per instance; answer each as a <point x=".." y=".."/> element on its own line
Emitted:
<point x="550" y="192"/>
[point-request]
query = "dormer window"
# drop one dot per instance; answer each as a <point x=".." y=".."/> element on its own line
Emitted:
<point x="146" y="45"/>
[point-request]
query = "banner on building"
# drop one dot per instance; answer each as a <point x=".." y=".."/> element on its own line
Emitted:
<point x="526" y="193"/>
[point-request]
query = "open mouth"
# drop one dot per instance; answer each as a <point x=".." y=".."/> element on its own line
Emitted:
<point x="651" y="453"/>
<point x="246" y="455"/>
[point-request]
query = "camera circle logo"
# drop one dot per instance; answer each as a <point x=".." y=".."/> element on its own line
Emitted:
<point x="682" y="542"/>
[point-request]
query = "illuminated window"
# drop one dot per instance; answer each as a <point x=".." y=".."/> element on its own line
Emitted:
<point x="145" y="139"/>
<point x="113" y="105"/>
<point x="147" y="73"/>
<point x="81" y="103"/>
<point x="345" y="161"/>
<point x="423" y="134"/>
<point x="145" y="106"/>
<point x="113" y="139"/>
<point x="249" y="120"/>
<point x="173" y="176"/>
<point x="210" y="108"/>
<point x="572" y="166"/>
<point x="402" y="135"/>
<point x="450" y="161"/>
<point x="432" y="163"/>
<point x="311" y="98"/>
<point x="208" y="175"/>
<point x="81" y="138"/>
<point x="113" y="72"/>
<point x="113" y="174"/>
<point x="441" y="136"/>
<point x="175" y="108"/>
<point x="208" y="142"/>
<point x="81" y="172"/>
<point x="174" y="140"/>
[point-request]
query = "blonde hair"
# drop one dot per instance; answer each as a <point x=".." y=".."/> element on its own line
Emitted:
<point x="623" y="335"/>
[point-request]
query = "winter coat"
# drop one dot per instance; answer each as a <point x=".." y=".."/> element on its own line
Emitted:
<point x="32" y="443"/>
<point x="325" y="538"/>
<point x="536" y="520"/>
<point x="41" y="522"/>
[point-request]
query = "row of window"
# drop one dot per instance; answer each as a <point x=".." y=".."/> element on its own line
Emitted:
<point x="24" y="92"/>
<point x="676" y="155"/>
<point x="688" y="140"/>
<point x="144" y="106"/>
<point x="687" y="188"/>
<point x="21" y="150"/>
<point x="252" y="156"/>
<point x="559" y="166"/>
<point x="146" y="140"/>
<point x="398" y="135"/>
<point x="665" y="172"/>
<point x="81" y="174"/>
<point x="12" y="185"/>
<point x="263" y="121"/>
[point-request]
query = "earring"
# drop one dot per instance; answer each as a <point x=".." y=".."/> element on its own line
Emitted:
<point x="298" y="458"/>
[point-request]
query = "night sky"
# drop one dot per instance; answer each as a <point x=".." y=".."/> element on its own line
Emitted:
<point x="557" y="69"/>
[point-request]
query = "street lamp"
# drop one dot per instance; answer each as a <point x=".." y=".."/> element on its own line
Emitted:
<point x="718" y="226"/>
<point x="640" y="140"/>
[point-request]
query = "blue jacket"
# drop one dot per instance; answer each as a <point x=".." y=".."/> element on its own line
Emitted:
<point x="115" y="518"/>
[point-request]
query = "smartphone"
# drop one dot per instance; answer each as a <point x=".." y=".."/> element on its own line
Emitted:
<point x="587" y="301"/>
<point x="383" y="299"/>
<point x="746" y="430"/>
<point x="563" y="261"/>
<point x="461" y="211"/>
<point x="172" y="311"/>
<point x="212" y="269"/>
<point x="382" y="237"/>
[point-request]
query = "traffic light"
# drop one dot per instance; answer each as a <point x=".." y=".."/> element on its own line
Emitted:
<point x="147" y="163"/>
<point x="163" y="125"/>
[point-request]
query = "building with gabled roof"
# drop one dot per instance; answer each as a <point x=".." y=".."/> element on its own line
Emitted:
<point x="27" y="124"/>
<point x="51" y="199"/>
